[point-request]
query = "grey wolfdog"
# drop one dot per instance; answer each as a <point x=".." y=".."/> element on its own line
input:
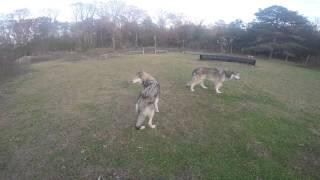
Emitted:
<point x="147" y="103"/>
<point x="217" y="75"/>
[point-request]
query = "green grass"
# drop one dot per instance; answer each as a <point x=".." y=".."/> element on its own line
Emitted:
<point x="75" y="120"/>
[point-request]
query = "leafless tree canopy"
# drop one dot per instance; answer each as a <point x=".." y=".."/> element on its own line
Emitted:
<point x="116" y="25"/>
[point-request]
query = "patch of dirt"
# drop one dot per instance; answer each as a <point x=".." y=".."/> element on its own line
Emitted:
<point x="19" y="164"/>
<point x="315" y="132"/>
<point x="188" y="173"/>
<point x="308" y="163"/>
<point x="97" y="172"/>
<point x="258" y="149"/>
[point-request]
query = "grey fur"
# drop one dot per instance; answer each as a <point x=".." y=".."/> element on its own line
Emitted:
<point x="147" y="102"/>
<point x="216" y="75"/>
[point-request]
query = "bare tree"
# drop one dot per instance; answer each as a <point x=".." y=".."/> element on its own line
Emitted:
<point x="113" y="11"/>
<point x="117" y="9"/>
<point x="84" y="14"/>
<point x="134" y="17"/>
<point x="162" y="18"/>
<point x="112" y="23"/>
<point x="20" y="14"/>
<point x="50" y="13"/>
<point x="317" y="22"/>
<point x="83" y="11"/>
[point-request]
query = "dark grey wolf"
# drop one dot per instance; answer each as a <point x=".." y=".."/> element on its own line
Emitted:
<point x="147" y="103"/>
<point x="216" y="75"/>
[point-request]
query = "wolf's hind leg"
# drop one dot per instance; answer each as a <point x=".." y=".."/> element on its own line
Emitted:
<point x="192" y="87"/>
<point x="150" y="120"/>
<point x="202" y="85"/>
<point x="218" y="85"/>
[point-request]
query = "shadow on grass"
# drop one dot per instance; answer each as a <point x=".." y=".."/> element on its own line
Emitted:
<point x="261" y="99"/>
<point x="18" y="71"/>
<point x="14" y="72"/>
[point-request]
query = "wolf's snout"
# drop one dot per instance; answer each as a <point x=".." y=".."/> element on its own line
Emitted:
<point x="136" y="80"/>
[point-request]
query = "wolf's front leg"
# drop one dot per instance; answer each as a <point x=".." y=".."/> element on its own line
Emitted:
<point x="156" y="104"/>
<point x="202" y="85"/>
<point x="140" y="121"/>
<point x="192" y="88"/>
<point x="193" y="85"/>
<point x="150" y="121"/>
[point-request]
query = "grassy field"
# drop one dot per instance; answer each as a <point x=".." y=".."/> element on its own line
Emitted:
<point x="75" y="120"/>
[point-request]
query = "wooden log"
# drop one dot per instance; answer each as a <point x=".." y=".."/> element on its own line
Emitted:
<point x="227" y="58"/>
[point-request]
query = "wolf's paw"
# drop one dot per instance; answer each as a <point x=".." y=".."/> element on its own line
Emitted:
<point x="153" y="126"/>
<point x="140" y="128"/>
<point x="157" y="110"/>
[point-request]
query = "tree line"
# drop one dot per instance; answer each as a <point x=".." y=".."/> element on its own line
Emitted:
<point x="276" y="32"/>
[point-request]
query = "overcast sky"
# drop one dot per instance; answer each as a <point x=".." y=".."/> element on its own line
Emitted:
<point x="207" y="10"/>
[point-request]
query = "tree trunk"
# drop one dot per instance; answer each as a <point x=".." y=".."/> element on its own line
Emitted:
<point x="231" y="49"/>
<point x="271" y="54"/>
<point x="81" y="42"/>
<point x="183" y="45"/>
<point x="155" y="44"/>
<point x="113" y="42"/>
<point x="286" y="59"/>
<point x="307" y="59"/>
<point x="136" y="40"/>
<point x="101" y="40"/>
<point x="120" y="39"/>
